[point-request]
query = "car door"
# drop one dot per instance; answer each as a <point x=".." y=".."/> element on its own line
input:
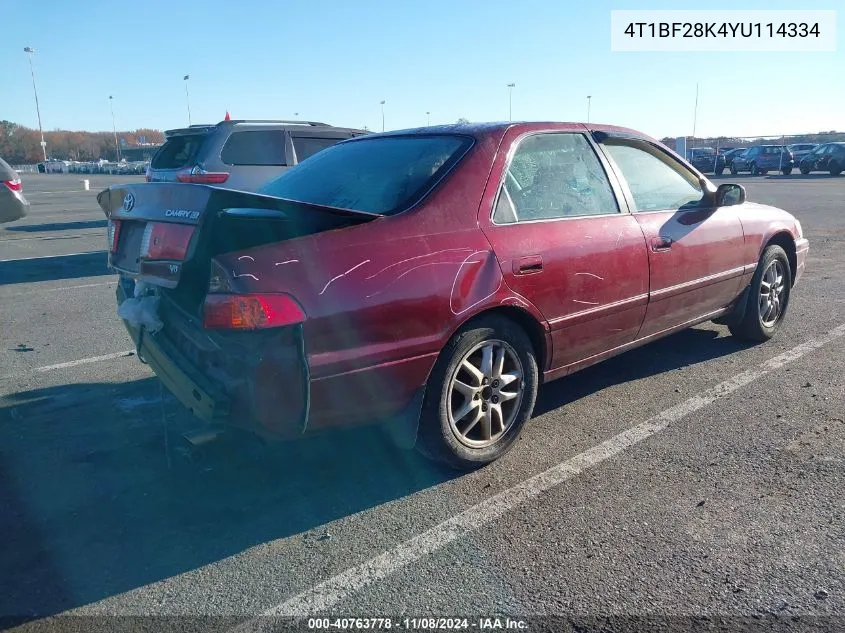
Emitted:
<point x="697" y="252"/>
<point x="566" y="244"/>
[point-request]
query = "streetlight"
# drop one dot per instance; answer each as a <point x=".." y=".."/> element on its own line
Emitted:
<point x="510" y="101"/>
<point x="114" y="127"/>
<point x="588" y="107"/>
<point x="382" y="115"/>
<point x="31" y="51"/>
<point x="428" y="119"/>
<point x="188" y="98"/>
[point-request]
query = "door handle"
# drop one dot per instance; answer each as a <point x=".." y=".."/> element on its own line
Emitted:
<point x="661" y="243"/>
<point x="528" y="265"/>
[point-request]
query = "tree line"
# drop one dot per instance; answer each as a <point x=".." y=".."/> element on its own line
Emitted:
<point x="20" y="145"/>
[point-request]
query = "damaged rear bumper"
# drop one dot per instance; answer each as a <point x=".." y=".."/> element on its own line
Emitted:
<point x="258" y="383"/>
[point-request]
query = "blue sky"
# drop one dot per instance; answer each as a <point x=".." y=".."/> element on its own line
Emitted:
<point x="334" y="60"/>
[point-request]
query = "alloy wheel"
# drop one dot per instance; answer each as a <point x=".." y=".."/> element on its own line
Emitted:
<point x="771" y="294"/>
<point x="485" y="392"/>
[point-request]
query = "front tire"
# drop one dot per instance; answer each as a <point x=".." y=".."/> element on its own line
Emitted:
<point x="786" y="171"/>
<point x="835" y="169"/>
<point x="804" y="170"/>
<point x="480" y="394"/>
<point x="734" y="170"/>
<point x="768" y="297"/>
<point x="754" y="170"/>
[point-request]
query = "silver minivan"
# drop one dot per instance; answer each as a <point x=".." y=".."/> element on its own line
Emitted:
<point x="13" y="206"/>
<point x="240" y="154"/>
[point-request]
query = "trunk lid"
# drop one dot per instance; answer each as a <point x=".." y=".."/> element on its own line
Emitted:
<point x="167" y="233"/>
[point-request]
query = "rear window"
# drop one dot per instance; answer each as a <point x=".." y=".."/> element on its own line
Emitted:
<point x="383" y="175"/>
<point x="178" y="151"/>
<point x="307" y="146"/>
<point x="772" y="149"/>
<point x="257" y="147"/>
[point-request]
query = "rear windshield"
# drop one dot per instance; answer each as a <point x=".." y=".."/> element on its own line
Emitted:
<point x="178" y="151"/>
<point x="772" y="149"/>
<point x="383" y="175"/>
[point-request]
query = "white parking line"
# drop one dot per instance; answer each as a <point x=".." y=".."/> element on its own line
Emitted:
<point x="340" y="587"/>
<point x="24" y="259"/>
<point x="83" y="361"/>
<point x="40" y="290"/>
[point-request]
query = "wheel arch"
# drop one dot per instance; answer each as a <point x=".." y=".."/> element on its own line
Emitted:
<point x="537" y="334"/>
<point x="785" y="240"/>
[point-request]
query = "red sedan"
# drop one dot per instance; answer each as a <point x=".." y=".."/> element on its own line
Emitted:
<point x="432" y="279"/>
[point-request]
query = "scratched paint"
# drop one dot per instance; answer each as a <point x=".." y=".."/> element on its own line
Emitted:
<point x="340" y="276"/>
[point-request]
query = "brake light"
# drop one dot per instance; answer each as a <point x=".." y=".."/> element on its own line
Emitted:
<point x="164" y="240"/>
<point x="250" y="311"/>
<point x="114" y="234"/>
<point x="15" y="184"/>
<point x="198" y="176"/>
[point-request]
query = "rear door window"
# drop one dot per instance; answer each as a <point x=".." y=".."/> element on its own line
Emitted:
<point x="178" y="151"/>
<point x="255" y="147"/>
<point x="307" y="146"/>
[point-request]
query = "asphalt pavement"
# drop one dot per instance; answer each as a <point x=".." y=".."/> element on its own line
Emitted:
<point x="696" y="476"/>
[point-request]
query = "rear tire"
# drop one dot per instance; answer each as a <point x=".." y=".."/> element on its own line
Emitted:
<point x="786" y="171"/>
<point x="720" y="171"/>
<point x="835" y="169"/>
<point x="480" y="394"/>
<point x="734" y="170"/>
<point x="754" y="170"/>
<point x="768" y="297"/>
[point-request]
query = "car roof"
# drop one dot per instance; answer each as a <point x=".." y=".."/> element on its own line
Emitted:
<point x="498" y="128"/>
<point x="260" y="125"/>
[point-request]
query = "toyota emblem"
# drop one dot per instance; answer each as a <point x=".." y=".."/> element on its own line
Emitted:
<point x="128" y="202"/>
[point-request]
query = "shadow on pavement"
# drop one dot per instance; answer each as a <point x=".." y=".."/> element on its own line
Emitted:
<point x="60" y="226"/>
<point x="21" y="271"/>
<point x="89" y="508"/>
<point x="688" y="347"/>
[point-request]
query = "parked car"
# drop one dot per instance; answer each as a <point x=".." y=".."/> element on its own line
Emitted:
<point x="730" y="154"/>
<point x="800" y="150"/>
<point x="432" y="279"/>
<point x="13" y="205"/>
<point x="828" y="157"/>
<point x="762" y="159"/>
<point x="706" y="160"/>
<point x="242" y="154"/>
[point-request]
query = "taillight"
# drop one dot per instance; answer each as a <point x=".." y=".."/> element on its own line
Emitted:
<point x="163" y="240"/>
<point x="15" y="184"/>
<point x="250" y="311"/>
<point x="198" y="176"/>
<point x="114" y="234"/>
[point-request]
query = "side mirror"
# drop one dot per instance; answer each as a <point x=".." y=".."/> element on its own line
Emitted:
<point x="728" y="195"/>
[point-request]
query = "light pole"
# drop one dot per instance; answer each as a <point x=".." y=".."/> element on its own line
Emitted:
<point x="589" y="97"/>
<point x="510" y="101"/>
<point x="188" y="98"/>
<point x="114" y="127"/>
<point x="382" y="115"/>
<point x="30" y="51"/>
<point x="428" y="119"/>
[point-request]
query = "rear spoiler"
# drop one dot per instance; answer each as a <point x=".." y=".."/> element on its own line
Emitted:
<point x="189" y="203"/>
